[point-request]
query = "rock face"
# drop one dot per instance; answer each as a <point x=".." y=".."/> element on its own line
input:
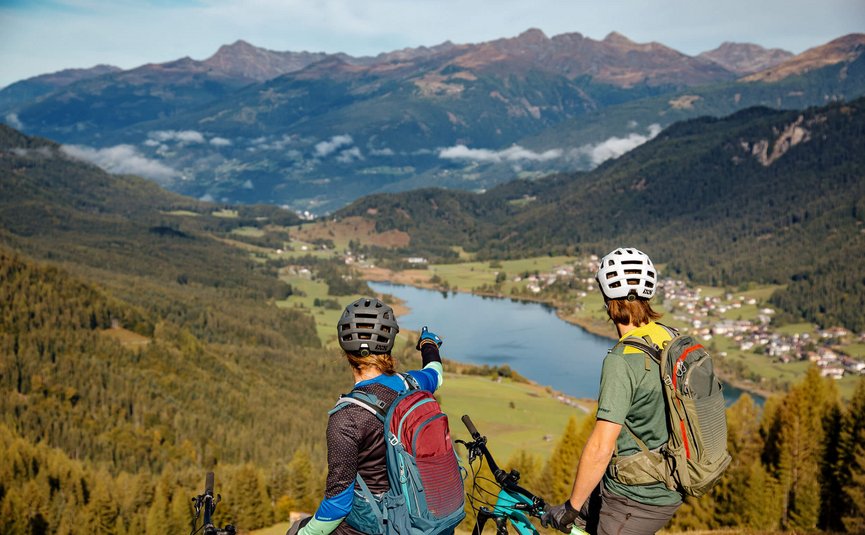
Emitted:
<point x="746" y="58"/>
<point x="244" y="60"/>
<point x="614" y="60"/>
<point x="843" y="49"/>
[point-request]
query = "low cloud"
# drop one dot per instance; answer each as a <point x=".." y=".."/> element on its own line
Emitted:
<point x="41" y="152"/>
<point x="123" y="159"/>
<point x="180" y="136"/>
<point x="514" y="153"/>
<point x="13" y="121"/>
<point x="220" y="142"/>
<point x="325" y="148"/>
<point x="614" y="147"/>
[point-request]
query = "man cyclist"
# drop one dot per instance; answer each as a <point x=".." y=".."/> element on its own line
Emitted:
<point x="631" y="397"/>
<point x="366" y="331"/>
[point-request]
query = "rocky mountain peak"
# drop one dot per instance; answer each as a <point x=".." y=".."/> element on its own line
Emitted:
<point x="615" y="38"/>
<point x="746" y="58"/>
<point x="244" y="60"/>
<point x="843" y="49"/>
<point x="533" y="36"/>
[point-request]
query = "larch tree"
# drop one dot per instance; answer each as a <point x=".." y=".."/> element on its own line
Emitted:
<point x="558" y="475"/>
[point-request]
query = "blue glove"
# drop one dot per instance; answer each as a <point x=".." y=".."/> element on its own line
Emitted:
<point x="427" y="337"/>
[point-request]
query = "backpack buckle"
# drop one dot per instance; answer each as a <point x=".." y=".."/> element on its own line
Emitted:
<point x="681" y="368"/>
<point x="393" y="440"/>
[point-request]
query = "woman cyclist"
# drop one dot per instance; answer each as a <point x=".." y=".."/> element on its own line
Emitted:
<point x="355" y="436"/>
<point x="631" y="397"/>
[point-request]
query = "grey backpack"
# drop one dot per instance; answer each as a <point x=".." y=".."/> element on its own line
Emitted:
<point x="695" y="455"/>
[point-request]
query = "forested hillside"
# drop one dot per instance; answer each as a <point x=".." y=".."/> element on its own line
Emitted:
<point x="140" y="345"/>
<point x="761" y="195"/>
<point x="137" y="349"/>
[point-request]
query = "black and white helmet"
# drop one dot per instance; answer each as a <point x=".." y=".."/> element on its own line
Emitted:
<point x="625" y="272"/>
<point x="367" y="326"/>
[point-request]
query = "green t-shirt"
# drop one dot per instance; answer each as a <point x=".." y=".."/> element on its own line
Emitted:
<point x="631" y="395"/>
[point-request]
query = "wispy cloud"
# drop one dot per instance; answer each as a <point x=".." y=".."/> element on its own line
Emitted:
<point x="123" y="159"/>
<point x="614" y="147"/>
<point x="220" y="142"/>
<point x="514" y="153"/>
<point x="349" y="155"/>
<point x="325" y="148"/>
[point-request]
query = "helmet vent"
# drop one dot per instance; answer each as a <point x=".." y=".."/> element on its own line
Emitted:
<point x="367" y="326"/>
<point x="625" y="272"/>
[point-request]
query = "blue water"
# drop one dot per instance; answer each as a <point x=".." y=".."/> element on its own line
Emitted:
<point x="526" y="336"/>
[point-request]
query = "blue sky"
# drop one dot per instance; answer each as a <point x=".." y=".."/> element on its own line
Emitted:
<point x="41" y="36"/>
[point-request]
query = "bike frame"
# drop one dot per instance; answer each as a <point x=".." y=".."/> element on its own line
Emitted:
<point x="514" y="504"/>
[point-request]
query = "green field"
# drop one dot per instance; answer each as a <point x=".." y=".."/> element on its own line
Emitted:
<point x="512" y="415"/>
<point x="469" y="275"/>
<point x="251" y="232"/>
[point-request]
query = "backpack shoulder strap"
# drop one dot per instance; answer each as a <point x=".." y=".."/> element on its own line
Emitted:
<point x="670" y="330"/>
<point x="409" y="381"/>
<point x="364" y="400"/>
<point x="644" y="345"/>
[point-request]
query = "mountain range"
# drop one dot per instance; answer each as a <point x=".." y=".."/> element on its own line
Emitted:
<point x="769" y="196"/>
<point x="314" y="131"/>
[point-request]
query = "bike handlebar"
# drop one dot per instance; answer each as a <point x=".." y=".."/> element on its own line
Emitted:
<point x="507" y="480"/>
<point x="206" y="503"/>
<point x="473" y="431"/>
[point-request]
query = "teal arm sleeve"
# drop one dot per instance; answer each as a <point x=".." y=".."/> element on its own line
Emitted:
<point x="319" y="527"/>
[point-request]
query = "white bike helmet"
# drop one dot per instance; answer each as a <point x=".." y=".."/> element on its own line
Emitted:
<point x="627" y="272"/>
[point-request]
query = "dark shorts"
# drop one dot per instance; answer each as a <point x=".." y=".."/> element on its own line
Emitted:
<point x="611" y="514"/>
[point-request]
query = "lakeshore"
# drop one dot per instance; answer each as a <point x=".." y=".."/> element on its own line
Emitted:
<point x="420" y="279"/>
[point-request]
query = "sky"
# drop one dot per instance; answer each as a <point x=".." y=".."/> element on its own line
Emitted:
<point x="42" y="36"/>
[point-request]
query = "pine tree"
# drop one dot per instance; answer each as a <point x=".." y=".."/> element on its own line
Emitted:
<point x="802" y="448"/>
<point x="529" y="467"/>
<point x="157" y="514"/>
<point x="302" y="487"/>
<point x="180" y="511"/>
<point x="743" y="491"/>
<point x="252" y="505"/>
<point x="851" y="462"/>
<point x="762" y="511"/>
<point x="102" y="512"/>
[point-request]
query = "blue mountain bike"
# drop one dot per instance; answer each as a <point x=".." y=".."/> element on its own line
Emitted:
<point x="513" y="504"/>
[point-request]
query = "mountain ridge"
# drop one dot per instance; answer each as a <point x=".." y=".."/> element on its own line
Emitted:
<point x="463" y="116"/>
<point x="746" y="58"/>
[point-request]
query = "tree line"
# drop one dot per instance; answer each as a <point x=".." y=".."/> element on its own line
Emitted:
<point x="798" y="465"/>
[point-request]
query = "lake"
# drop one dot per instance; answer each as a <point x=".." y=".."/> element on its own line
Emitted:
<point x="526" y="336"/>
